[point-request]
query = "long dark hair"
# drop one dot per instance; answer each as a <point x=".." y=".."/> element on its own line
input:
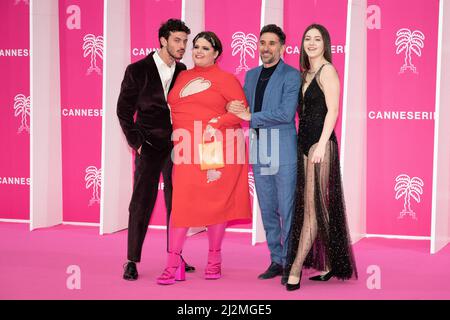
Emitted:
<point x="304" y="61"/>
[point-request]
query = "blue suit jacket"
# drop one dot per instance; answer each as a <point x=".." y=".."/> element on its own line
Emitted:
<point x="277" y="112"/>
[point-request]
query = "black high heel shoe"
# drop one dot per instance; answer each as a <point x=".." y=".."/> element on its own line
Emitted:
<point x="323" y="277"/>
<point x="295" y="286"/>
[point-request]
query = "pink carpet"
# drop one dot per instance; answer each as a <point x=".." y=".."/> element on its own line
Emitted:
<point x="33" y="265"/>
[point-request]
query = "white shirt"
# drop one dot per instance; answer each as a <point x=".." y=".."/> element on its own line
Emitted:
<point x="165" y="72"/>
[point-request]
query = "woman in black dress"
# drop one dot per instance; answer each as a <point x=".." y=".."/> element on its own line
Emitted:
<point x="319" y="235"/>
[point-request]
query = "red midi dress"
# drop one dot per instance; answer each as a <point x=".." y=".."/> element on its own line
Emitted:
<point x="198" y="96"/>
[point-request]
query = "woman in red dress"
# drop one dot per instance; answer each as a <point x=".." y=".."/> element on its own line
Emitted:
<point x="205" y="197"/>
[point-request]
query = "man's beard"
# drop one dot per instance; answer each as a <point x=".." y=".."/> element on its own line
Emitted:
<point x="174" y="55"/>
<point x="268" y="60"/>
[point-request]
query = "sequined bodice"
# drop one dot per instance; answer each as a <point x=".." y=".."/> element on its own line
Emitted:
<point x="312" y="110"/>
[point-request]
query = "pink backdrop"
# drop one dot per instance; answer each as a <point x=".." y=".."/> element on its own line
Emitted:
<point x="81" y="49"/>
<point x="14" y="110"/>
<point x="146" y="18"/>
<point x="332" y="15"/>
<point x="238" y="29"/>
<point x="401" y="83"/>
<point x="401" y="148"/>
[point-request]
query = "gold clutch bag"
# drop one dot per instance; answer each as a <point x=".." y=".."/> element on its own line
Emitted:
<point x="211" y="155"/>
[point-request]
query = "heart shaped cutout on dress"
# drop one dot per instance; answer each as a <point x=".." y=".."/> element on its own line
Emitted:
<point x="194" y="86"/>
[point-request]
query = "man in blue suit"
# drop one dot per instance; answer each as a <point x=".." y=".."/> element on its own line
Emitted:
<point x="272" y="92"/>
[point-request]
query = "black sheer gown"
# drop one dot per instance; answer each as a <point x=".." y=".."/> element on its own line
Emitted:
<point x="319" y="236"/>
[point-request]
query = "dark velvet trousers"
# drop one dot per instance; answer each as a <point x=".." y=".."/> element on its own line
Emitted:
<point x="148" y="167"/>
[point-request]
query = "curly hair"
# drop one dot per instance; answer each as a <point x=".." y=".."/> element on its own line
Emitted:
<point x="171" y="25"/>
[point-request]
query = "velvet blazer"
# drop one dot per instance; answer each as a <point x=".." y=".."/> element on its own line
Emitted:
<point x="142" y="94"/>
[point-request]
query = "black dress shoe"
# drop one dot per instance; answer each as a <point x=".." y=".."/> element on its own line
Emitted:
<point x="130" y="272"/>
<point x="295" y="286"/>
<point x="322" y="277"/>
<point x="274" y="270"/>
<point x="187" y="267"/>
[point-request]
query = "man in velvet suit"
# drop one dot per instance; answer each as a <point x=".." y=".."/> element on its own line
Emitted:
<point x="144" y="92"/>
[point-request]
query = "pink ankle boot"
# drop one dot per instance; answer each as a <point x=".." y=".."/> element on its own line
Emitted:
<point x="175" y="270"/>
<point x="213" y="268"/>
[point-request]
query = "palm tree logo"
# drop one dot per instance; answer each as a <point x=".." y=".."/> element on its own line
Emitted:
<point x="246" y="45"/>
<point x="408" y="188"/>
<point x="93" y="47"/>
<point x="22" y="107"/>
<point x="93" y="180"/>
<point x="409" y="42"/>
<point x="25" y="1"/>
